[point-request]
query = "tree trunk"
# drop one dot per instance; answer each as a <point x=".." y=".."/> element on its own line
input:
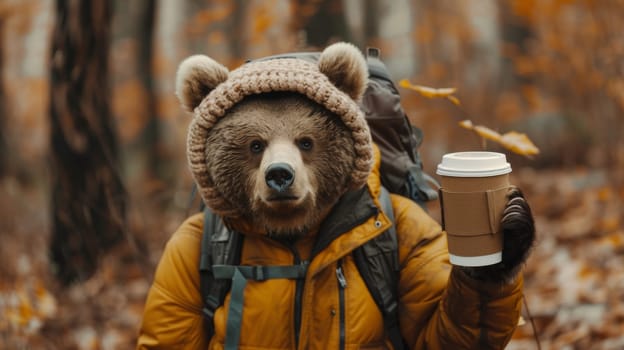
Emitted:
<point x="516" y="32"/>
<point x="134" y="32"/>
<point x="322" y="21"/>
<point x="4" y="154"/>
<point x="146" y="47"/>
<point x="371" y="20"/>
<point x="88" y="198"/>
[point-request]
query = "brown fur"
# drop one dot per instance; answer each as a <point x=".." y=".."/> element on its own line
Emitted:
<point x="197" y="75"/>
<point x="321" y="174"/>
<point x="346" y="68"/>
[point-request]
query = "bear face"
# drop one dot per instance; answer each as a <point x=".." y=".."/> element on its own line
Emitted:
<point x="277" y="141"/>
<point x="283" y="159"/>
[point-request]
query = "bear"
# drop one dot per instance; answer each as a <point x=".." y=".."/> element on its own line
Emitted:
<point x="271" y="155"/>
<point x="281" y="153"/>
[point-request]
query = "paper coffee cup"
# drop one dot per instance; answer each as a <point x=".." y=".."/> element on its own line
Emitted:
<point x="473" y="195"/>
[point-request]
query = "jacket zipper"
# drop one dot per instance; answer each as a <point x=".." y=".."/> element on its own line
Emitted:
<point x="342" y="284"/>
<point x="298" y="296"/>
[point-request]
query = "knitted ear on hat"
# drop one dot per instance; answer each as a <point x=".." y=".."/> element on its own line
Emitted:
<point x="196" y="77"/>
<point x="346" y="67"/>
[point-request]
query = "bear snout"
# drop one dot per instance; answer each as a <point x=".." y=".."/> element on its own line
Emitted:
<point x="279" y="177"/>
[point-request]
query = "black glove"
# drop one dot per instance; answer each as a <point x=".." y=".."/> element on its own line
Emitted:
<point x="518" y="230"/>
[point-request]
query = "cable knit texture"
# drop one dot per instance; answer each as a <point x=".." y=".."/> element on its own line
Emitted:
<point x="286" y="74"/>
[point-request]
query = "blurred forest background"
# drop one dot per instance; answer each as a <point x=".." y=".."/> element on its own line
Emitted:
<point x="93" y="176"/>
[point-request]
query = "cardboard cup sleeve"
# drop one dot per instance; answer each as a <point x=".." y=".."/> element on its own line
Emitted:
<point x="471" y="221"/>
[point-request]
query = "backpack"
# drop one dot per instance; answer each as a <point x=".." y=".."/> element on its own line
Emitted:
<point x="398" y="140"/>
<point x="377" y="260"/>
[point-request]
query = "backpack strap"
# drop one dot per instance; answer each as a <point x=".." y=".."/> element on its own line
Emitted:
<point x="218" y="270"/>
<point x="378" y="263"/>
<point x="218" y="246"/>
<point x="239" y="276"/>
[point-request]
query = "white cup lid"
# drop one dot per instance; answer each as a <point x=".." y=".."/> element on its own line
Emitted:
<point x="473" y="164"/>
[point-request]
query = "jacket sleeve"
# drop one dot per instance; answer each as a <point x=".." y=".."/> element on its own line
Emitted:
<point x="172" y="318"/>
<point x="440" y="307"/>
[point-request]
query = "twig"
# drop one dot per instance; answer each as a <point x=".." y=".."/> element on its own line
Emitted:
<point x="526" y="306"/>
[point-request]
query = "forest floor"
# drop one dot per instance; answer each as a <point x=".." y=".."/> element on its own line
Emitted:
<point x="574" y="280"/>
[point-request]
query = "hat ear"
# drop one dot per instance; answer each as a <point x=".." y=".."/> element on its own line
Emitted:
<point x="346" y="67"/>
<point x="197" y="75"/>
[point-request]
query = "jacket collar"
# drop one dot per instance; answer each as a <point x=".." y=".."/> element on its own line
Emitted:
<point x="353" y="209"/>
<point x="354" y="220"/>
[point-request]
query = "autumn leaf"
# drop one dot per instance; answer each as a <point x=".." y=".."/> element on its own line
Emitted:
<point x="429" y="92"/>
<point x="518" y="143"/>
<point x="453" y="100"/>
<point x="514" y="141"/>
<point x="521" y="321"/>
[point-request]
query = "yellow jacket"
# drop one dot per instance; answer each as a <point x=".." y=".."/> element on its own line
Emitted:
<point x="440" y="308"/>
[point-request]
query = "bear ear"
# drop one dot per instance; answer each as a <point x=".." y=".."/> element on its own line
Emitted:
<point x="197" y="75"/>
<point x="346" y="67"/>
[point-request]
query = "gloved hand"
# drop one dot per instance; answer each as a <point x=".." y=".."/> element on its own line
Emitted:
<point x="518" y="230"/>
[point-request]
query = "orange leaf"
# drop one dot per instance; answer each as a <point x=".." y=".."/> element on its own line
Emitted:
<point x="519" y="143"/>
<point x="466" y="124"/>
<point x="46" y="303"/>
<point x="429" y="92"/>
<point x="514" y="141"/>
<point x="454" y="100"/>
<point x="487" y="133"/>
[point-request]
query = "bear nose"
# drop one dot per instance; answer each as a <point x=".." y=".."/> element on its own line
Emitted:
<point x="279" y="176"/>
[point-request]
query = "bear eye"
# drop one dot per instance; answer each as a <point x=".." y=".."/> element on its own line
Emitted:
<point x="305" y="144"/>
<point x="256" y="146"/>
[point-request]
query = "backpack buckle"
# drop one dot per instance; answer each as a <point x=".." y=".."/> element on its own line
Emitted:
<point x="258" y="273"/>
<point x="208" y="321"/>
<point x="209" y="314"/>
<point x="211" y="304"/>
<point x="373" y="52"/>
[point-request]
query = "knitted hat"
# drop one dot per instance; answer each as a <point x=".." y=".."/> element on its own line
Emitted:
<point x="336" y="82"/>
